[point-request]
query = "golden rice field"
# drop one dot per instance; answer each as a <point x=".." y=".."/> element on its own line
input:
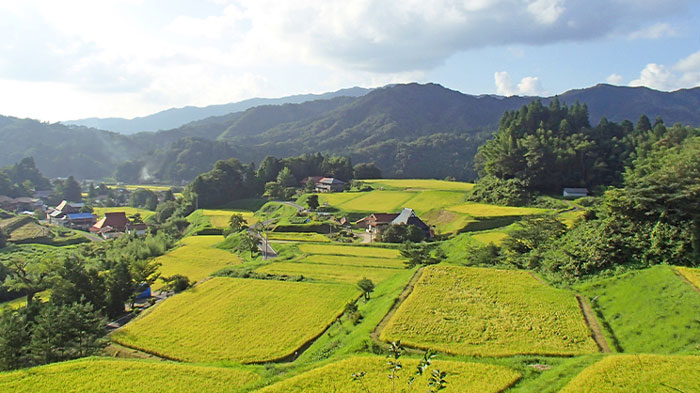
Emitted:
<point x="355" y="261"/>
<point x="427" y="184"/>
<point x="336" y="377"/>
<point x="108" y="375"/>
<point x="494" y="237"/>
<point x="489" y="312"/>
<point x="196" y="257"/>
<point x="377" y="201"/>
<point x="328" y="273"/>
<point x="690" y="274"/>
<point x="486" y="210"/>
<point x="639" y="374"/>
<point x="425" y="201"/>
<point x="99" y="212"/>
<point x="359" y="251"/>
<point x="241" y="320"/>
<point x="298" y="237"/>
<point x="219" y="218"/>
<point x="147" y="187"/>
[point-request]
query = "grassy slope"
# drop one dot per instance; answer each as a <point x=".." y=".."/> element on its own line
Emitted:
<point x="196" y="257"/>
<point x="106" y="375"/>
<point x="237" y="319"/>
<point x="489" y="312"/>
<point x="335" y="377"/>
<point x="639" y="373"/>
<point x="649" y="311"/>
<point x="328" y="273"/>
<point x="360" y="251"/>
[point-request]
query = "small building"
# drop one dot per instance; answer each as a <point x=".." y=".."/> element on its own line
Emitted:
<point x="57" y="214"/>
<point x="409" y="217"/>
<point x="330" y="184"/>
<point x="314" y="179"/>
<point x="115" y="224"/>
<point x="375" y="222"/>
<point x="575" y="192"/>
<point x="79" y="220"/>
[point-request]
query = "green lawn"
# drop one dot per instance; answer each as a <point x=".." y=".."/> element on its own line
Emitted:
<point x="649" y="311"/>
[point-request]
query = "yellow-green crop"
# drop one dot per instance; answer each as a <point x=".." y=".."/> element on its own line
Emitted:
<point x="298" y="237"/>
<point x="196" y="257"/>
<point x="242" y="320"/>
<point x="690" y="274"/>
<point x="99" y="212"/>
<point x="328" y="273"/>
<point x="355" y="261"/>
<point x="108" y="375"/>
<point x="427" y="184"/>
<point x="360" y="251"/>
<point x="336" y="377"/>
<point x="219" y="218"/>
<point x="639" y="374"/>
<point x="489" y="312"/>
<point x="486" y="210"/>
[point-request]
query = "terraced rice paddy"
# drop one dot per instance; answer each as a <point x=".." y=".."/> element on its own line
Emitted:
<point x="99" y="212"/>
<point x="425" y="184"/>
<point x="639" y="373"/>
<point x="241" y="320"/>
<point x="335" y="377"/>
<point x="298" y="237"/>
<point x="106" y="375"/>
<point x="328" y="273"/>
<point x="489" y="312"/>
<point x="355" y="261"/>
<point x="392" y="201"/>
<point x="219" y="218"/>
<point x="360" y="251"/>
<point x="480" y="210"/>
<point x="196" y="257"/>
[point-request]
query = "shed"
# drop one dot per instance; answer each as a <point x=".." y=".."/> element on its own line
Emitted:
<point x="575" y="192"/>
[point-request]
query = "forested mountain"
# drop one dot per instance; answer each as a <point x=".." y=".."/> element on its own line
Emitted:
<point x="408" y="130"/>
<point x="176" y="117"/>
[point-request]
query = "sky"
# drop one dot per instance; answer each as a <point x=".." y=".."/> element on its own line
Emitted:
<point x="64" y="60"/>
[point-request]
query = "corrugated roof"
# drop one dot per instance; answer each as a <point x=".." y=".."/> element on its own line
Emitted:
<point x="79" y="216"/>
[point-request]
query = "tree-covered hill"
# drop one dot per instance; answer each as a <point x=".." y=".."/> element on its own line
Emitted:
<point x="409" y="130"/>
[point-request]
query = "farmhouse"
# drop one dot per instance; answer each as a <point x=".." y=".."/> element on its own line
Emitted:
<point x="375" y="222"/>
<point x="58" y="214"/>
<point x="575" y="192"/>
<point x="19" y="204"/>
<point x="330" y="184"/>
<point x="115" y="224"/>
<point x="78" y="220"/>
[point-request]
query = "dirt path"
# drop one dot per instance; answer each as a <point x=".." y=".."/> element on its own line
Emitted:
<point x="592" y="322"/>
<point x="404" y="294"/>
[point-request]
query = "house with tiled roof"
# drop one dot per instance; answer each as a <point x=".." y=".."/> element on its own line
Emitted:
<point x="376" y="222"/>
<point x="330" y="184"/>
<point x="115" y="224"/>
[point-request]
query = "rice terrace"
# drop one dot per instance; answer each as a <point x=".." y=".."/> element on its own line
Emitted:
<point x="353" y="223"/>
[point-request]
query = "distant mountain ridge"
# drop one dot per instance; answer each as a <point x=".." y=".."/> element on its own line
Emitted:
<point x="408" y="130"/>
<point x="176" y="117"/>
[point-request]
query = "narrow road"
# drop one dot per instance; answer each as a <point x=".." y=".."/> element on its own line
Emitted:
<point x="292" y="204"/>
<point x="404" y="294"/>
<point x="91" y="237"/>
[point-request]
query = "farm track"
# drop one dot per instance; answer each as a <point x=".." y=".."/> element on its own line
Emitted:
<point x="592" y="322"/>
<point x="679" y="274"/>
<point x="399" y="300"/>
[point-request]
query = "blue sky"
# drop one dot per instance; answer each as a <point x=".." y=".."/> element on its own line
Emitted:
<point x="79" y="58"/>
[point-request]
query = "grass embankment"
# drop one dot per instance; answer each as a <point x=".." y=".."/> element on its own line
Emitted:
<point x="648" y="311"/>
<point x="335" y="377"/>
<point x="240" y="320"/>
<point x="106" y="375"/>
<point x="489" y="312"/>
<point x="639" y="373"/>
<point x="196" y="257"/>
<point x="298" y="237"/>
<point x="328" y="273"/>
<point x="99" y="212"/>
<point x="362" y="251"/>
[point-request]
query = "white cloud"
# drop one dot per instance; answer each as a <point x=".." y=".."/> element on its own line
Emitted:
<point x="685" y="73"/>
<point x="655" y="31"/>
<point x="185" y="52"/>
<point x="614" y="79"/>
<point x="528" y="86"/>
